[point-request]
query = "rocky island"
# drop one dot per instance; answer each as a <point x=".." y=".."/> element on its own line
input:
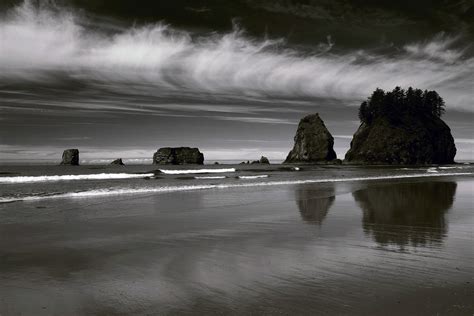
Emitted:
<point x="402" y="127"/>
<point x="313" y="142"/>
<point x="117" y="162"/>
<point x="178" y="156"/>
<point x="70" y="157"/>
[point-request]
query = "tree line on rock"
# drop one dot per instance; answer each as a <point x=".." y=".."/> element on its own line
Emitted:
<point x="394" y="105"/>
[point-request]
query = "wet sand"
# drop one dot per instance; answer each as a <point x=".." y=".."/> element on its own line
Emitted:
<point x="376" y="247"/>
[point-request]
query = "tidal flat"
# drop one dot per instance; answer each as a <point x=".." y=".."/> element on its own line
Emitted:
<point x="400" y="246"/>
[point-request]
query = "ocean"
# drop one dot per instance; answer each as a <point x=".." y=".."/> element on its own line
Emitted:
<point x="236" y="239"/>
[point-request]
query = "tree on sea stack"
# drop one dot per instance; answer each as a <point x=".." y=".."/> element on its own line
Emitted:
<point x="402" y="127"/>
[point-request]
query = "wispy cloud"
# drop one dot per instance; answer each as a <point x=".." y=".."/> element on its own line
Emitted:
<point x="45" y="45"/>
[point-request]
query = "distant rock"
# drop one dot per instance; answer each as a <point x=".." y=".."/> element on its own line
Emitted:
<point x="313" y="142"/>
<point x="70" y="157"/>
<point x="263" y="160"/>
<point x="178" y="156"/>
<point x="117" y="162"/>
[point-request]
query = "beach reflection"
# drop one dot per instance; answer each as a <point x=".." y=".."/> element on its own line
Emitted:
<point x="406" y="214"/>
<point x="314" y="203"/>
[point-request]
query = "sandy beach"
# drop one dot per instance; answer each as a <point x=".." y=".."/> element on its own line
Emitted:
<point x="366" y="247"/>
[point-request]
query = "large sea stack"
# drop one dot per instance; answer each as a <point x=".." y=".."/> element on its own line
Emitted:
<point x="313" y="142"/>
<point x="402" y="127"/>
<point x="70" y="157"/>
<point x="178" y="156"/>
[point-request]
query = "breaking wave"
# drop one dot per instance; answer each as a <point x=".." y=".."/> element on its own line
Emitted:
<point x="253" y="177"/>
<point x="99" y="176"/>
<point x="197" y="171"/>
<point x="164" y="189"/>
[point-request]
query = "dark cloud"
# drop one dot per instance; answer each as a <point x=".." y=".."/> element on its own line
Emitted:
<point x="79" y="78"/>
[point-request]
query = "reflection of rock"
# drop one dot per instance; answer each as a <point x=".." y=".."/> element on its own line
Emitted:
<point x="70" y="157"/>
<point x="178" y="156"/>
<point x="406" y="213"/>
<point x="314" y="203"/>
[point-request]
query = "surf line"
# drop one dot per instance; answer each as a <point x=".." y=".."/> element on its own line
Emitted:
<point x="103" y="193"/>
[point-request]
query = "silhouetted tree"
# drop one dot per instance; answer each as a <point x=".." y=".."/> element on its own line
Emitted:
<point x="395" y="104"/>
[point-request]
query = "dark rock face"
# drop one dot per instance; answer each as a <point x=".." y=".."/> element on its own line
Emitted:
<point x="178" y="156"/>
<point x="263" y="160"/>
<point x="422" y="140"/>
<point x="70" y="157"/>
<point x="313" y="142"/>
<point x="117" y="162"/>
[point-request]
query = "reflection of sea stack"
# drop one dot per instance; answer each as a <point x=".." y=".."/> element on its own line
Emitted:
<point x="406" y="213"/>
<point x="314" y="203"/>
<point x="70" y="157"/>
<point x="402" y="127"/>
<point x="178" y="156"/>
<point x="313" y="142"/>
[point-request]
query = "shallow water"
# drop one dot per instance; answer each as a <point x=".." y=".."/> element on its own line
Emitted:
<point x="380" y="246"/>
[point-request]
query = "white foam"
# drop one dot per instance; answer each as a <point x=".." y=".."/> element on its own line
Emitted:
<point x="75" y="177"/>
<point x="197" y="171"/>
<point x="432" y="170"/>
<point x="253" y="177"/>
<point x="149" y="190"/>
<point x="210" y="177"/>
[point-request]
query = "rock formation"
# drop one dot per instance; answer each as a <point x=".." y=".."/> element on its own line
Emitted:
<point x="178" y="156"/>
<point x="402" y="127"/>
<point x="412" y="141"/>
<point x="263" y="160"/>
<point x="70" y="157"/>
<point x="117" y="162"/>
<point x="313" y="142"/>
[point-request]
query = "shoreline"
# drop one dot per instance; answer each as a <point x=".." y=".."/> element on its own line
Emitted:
<point x="331" y="248"/>
<point x="101" y="193"/>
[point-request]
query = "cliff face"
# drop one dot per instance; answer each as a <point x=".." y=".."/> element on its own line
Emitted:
<point x="413" y="140"/>
<point x="70" y="157"/>
<point x="178" y="156"/>
<point x="313" y="142"/>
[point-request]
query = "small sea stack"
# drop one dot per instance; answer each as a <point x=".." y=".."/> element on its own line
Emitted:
<point x="178" y="156"/>
<point x="263" y="160"/>
<point x="118" y="162"/>
<point x="313" y="142"/>
<point x="70" y="157"/>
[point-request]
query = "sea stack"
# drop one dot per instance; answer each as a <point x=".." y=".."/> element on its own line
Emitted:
<point x="403" y="128"/>
<point x="178" y="156"/>
<point x="313" y="142"/>
<point x="70" y="157"/>
<point x="118" y="162"/>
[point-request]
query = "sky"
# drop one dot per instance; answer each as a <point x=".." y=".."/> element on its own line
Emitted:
<point x="120" y="80"/>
